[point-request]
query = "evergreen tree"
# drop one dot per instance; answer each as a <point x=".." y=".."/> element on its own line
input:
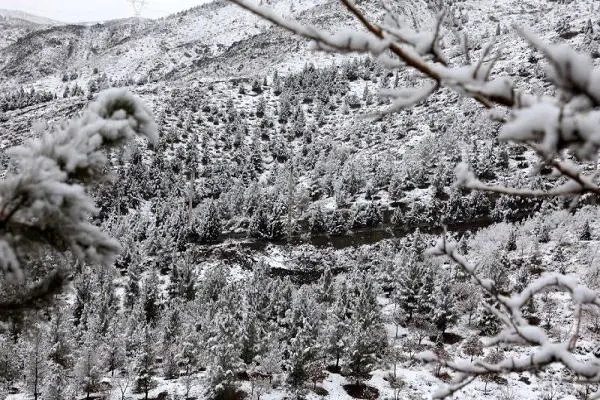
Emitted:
<point x="150" y="297"/>
<point x="487" y="322"/>
<point x="145" y="368"/>
<point x="56" y="384"/>
<point x="336" y="332"/>
<point x="36" y="364"/>
<point x="445" y="312"/>
<point x="223" y="349"/>
<point x="303" y="332"/>
<point x="10" y="364"/>
<point x="586" y="232"/>
<point x="318" y="223"/>
<point x="511" y="243"/>
<point x="368" y="338"/>
<point x="413" y="290"/>
<point x="88" y="370"/>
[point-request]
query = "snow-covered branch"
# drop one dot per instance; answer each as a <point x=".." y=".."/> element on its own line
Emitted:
<point x="45" y="201"/>
<point x="517" y="330"/>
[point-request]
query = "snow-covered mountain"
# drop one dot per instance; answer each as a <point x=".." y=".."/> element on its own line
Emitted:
<point x="17" y="24"/>
<point x="16" y="15"/>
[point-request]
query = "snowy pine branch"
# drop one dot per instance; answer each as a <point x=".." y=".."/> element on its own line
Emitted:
<point x="45" y="202"/>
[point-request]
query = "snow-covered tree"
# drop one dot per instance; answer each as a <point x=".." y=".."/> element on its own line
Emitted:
<point x="368" y="339"/>
<point x="473" y="347"/>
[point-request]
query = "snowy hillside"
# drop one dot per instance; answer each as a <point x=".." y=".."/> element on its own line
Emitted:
<point x="274" y="239"/>
<point x="14" y="15"/>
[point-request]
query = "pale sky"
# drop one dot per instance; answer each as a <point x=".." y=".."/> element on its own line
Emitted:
<point x="96" y="10"/>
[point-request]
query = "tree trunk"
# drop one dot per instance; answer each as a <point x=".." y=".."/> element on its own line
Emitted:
<point x="35" y="382"/>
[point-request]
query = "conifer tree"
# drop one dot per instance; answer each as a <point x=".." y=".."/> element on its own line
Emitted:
<point x="88" y="365"/>
<point x="487" y="322"/>
<point x="318" y="222"/>
<point x="301" y="335"/>
<point x="223" y="350"/>
<point x="511" y="243"/>
<point x="36" y="362"/>
<point x="336" y="332"/>
<point x="413" y="289"/>
<point x="445" y="312"/>
<point x="145" y="368"/>
<point x="586" y="232"/>
<point x="368" y="338"/>
<point x="150" y="297"/>
<point x="10" y="364"/>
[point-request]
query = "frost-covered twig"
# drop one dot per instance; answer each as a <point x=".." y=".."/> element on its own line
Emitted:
<point x="518" y="331"/>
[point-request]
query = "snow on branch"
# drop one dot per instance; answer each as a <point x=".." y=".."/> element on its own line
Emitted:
<point x="45" y="202"/>
<point x="517" y="330"/>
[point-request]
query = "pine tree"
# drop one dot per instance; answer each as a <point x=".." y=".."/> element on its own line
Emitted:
<point x="250" y="338"/>
<point x="36" y="364"/>
<point x="206" y="224"/>
<point x="368" y="338"/>
<point x="543" y="233"/>
<point x="302" y="349"/>
<point x="261" y="107"/>
<point x="445" y="312"/>
<point x="88" y="365"/>
<point x="586" y="232"/>
<point x="223" y="349"/>
<point x="413" y="289"/>
<point x="511" y="243"/>
<point x="57" y="383"/>
<point x="318" y="222"/>
<point x="150" y="297"/>
<point x="10" y="364"/>
<point x="487" y="322"/>
<point x="145" y="369"/>
<point x="336" y="332"/>
<point x="326" y="287"/>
